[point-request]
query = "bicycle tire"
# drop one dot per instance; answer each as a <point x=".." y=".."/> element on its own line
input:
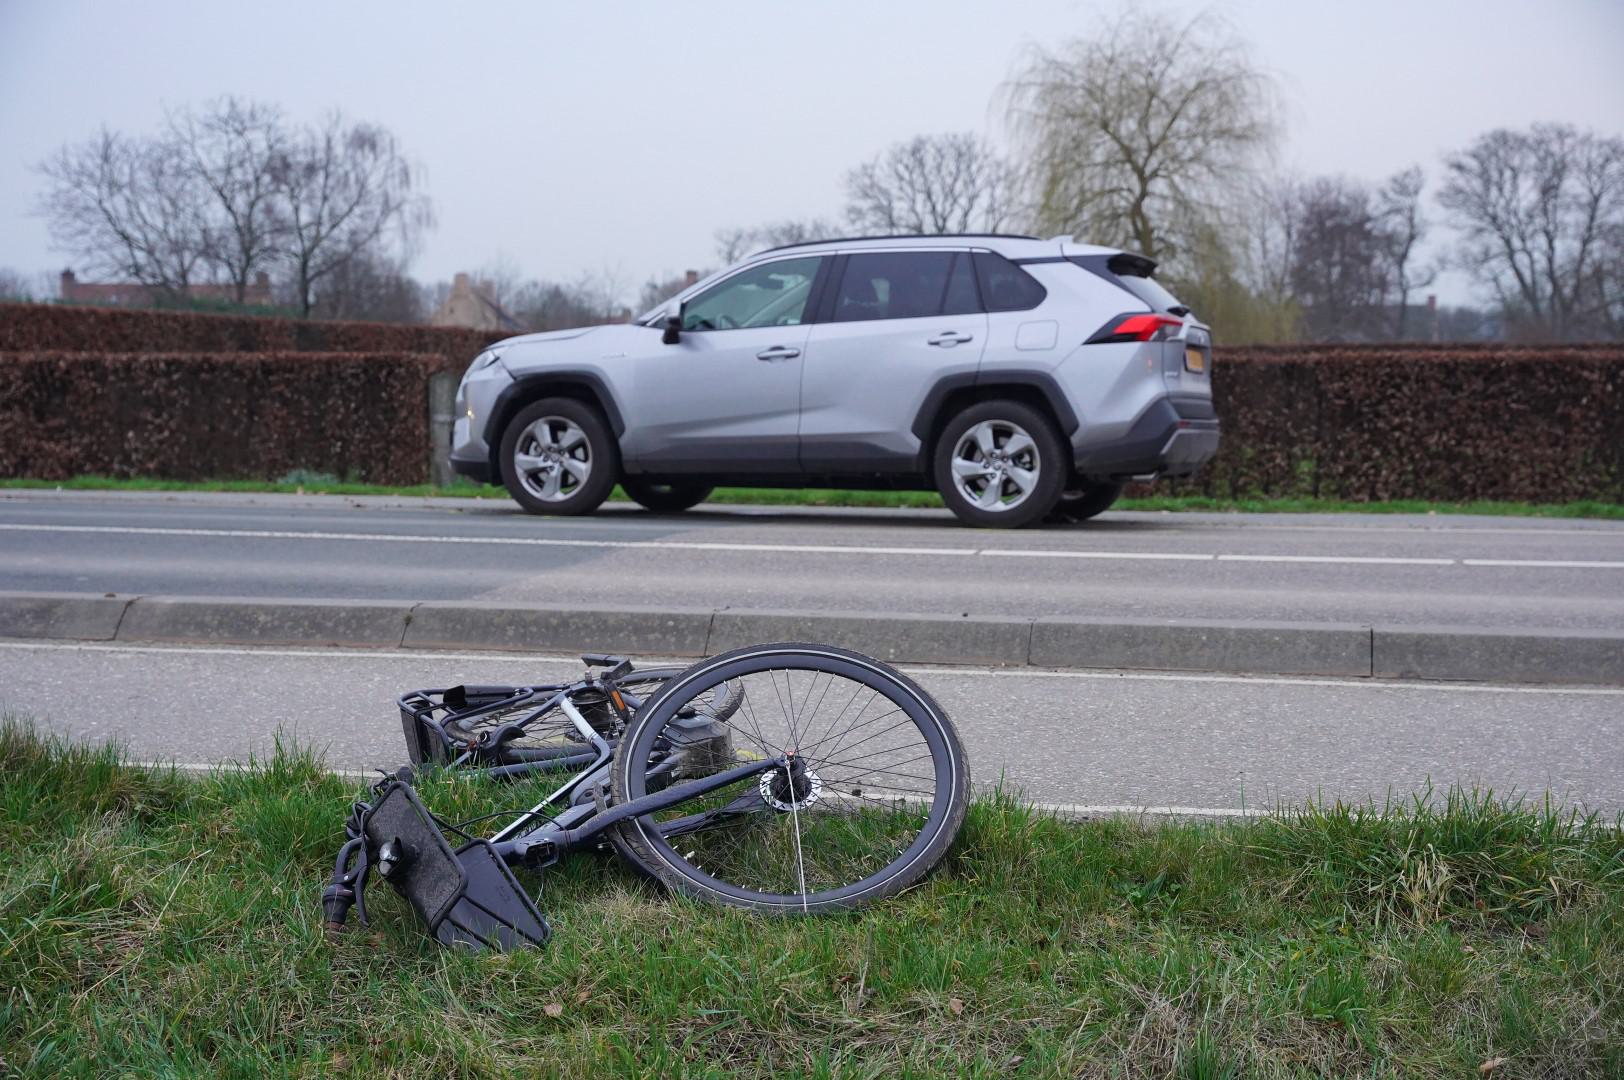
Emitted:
<point x="846" y="817"/>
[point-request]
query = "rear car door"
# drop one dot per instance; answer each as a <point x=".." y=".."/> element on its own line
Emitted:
<point x="895" y="323"/>
<point x="726" y="397"/>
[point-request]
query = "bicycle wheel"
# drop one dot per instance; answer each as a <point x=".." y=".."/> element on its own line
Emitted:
<point x="873" y="795"/>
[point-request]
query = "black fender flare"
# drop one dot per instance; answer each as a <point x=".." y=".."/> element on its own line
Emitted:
<point x="527" y="388"/>
<point x="930" y="410"/>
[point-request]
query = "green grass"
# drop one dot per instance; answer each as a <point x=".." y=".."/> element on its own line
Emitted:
<point x="321" y="484"/>
<point x="153" y="924"/>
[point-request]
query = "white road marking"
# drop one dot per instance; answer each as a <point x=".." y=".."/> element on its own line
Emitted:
<point x="1035" y="554"/>
<point x="1061" y="810"/>
<point x="1377" y="560"/>
<point x="625" y="516"/>
<point x="1575" y="564"/>
<point x="516" y="658"/>
<point x="1058" y="809"/>
<point x="802" y="549"/>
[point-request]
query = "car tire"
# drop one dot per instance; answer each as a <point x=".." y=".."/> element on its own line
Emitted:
<point x="1080" y="504"/>
<point x="665" y="498"/>
<point x="984" y="483"/>
<point x="558" y="456"/>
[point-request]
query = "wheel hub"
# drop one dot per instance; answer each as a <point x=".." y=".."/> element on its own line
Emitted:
<point x="795" y="788"/>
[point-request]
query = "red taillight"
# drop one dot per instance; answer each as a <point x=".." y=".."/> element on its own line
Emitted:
<point x="1146" y="326"/>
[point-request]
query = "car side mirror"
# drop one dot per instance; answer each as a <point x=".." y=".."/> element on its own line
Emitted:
<point x="673" y="330"/>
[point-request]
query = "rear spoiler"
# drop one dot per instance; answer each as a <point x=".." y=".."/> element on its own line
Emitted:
<point x="1126" y="262"/>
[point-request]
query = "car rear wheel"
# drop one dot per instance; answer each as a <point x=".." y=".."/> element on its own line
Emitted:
<point x="559" y="457"/>
<point x="1000" y="464"/>
<point x="665" y="498"/>
<point x="1081" y="503"/>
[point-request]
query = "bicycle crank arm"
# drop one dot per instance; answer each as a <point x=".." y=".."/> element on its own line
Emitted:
<point x="565" y="839"/>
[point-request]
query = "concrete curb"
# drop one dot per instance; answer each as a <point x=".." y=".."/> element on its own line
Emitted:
<point x="900" y="639"/>
<point x="661" y="632"/>
<point x="77" y="616"/>
<point x="1538" y="656"/>
<point x="250" y="621"/>
<point x="1411" y="652"/>
<point x="1276" y="648"/>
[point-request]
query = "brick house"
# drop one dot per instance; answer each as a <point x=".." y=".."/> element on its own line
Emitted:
<point x="134" y="294"/>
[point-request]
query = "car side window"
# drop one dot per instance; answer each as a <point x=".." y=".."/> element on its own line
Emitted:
<point x="1005" y="286"/>
<point x="772" y="294"/>
<point x="893" y="285"/>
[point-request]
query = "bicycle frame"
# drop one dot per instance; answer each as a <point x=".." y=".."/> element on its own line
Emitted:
<point x="468" y="896"/>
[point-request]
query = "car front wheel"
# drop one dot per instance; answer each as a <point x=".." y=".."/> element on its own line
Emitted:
<point x="559" y="457"/>
<point x="1000" y="464"/>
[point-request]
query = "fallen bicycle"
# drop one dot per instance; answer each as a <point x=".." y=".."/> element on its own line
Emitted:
<point x="789" y="778"/>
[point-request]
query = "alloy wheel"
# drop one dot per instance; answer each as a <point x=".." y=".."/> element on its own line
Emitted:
<point x="996" y="465"/>
<point x="552" y="458"/>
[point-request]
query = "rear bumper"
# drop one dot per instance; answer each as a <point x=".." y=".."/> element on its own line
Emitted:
<point x="1175" y="436"/>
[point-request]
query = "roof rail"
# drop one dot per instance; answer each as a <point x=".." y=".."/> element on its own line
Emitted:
<point x="904" y="236"/>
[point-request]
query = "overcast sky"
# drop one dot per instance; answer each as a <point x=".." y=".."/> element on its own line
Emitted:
<point x="619" y="136"/>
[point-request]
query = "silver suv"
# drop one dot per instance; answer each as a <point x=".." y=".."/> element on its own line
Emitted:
<point x="1021" y="378"/>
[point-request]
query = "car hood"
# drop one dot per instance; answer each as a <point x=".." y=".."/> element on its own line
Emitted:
<point x="583" y="343"/>
<point x="547" y="337"/>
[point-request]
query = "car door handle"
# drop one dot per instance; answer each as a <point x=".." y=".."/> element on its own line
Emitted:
<point x="778" y="352"/>
<point x="950" y="338"/>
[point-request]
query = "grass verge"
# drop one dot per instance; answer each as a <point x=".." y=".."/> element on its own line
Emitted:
<point x="324" y="485"/>
<point x="158" y="924"/>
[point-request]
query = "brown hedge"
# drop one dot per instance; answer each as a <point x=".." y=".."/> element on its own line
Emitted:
<point x="33" y="327"/>
<point x="1365" y="423"/>
<point x="216" y="416"/>
<point x="256" y="397"/>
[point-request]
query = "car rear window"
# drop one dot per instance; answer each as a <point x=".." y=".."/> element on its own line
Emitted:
<point x="1132" y="273"/>
<point x="1005" y="286"/>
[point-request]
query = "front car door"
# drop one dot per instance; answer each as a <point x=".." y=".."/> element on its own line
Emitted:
<point x="898" y="321"/>
<point x="725" y="399"/>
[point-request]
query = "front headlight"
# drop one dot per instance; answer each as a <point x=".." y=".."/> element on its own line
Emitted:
<point x="482" y="361"/>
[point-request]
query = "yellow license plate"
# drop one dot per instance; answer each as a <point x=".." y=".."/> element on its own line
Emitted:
<point x="1195" y="359"/>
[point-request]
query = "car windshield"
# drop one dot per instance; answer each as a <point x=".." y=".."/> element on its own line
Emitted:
<point x="772" y="294"/>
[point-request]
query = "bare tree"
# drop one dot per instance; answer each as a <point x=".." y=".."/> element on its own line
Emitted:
<point x="951" y="183"/>
<point x="501" y="280"/>
<point x="1608" y="283"/>
<point x="590" y="300"/>
<point x="129" y="208"/>
<point x="1541" y="213"/>
<point x="1143" y="135"/>
<point x="14" y="286"/>
<point x="231" y="149"/>
<point x="657" y="290"/>
<point x="375" y="289"/>
<point x="734" y="243"/>
<point x="347" y="191"/>
<point x="1338" y="261"/>
<point x="1401" y="226"/>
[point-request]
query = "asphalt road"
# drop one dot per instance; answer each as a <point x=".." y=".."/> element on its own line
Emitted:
<point x="1394" y="570"/>
<point x="1098" y="739"/>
